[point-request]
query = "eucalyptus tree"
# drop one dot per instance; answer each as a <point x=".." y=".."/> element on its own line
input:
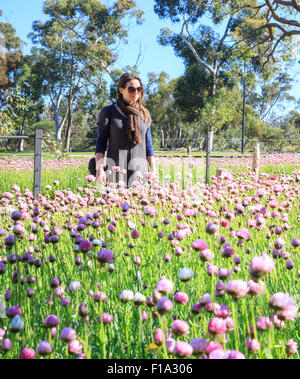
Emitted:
<point x="77" y="45"/>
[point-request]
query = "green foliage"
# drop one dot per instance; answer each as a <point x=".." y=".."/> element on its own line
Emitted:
<point x="10" y="56"/>
<point x="53" y="147"/>
<point x="14" y="103"/>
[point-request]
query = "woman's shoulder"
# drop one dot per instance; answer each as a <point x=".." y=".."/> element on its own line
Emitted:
<point x="108" y="108"/>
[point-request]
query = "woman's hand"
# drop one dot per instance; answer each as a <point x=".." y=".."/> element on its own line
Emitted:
<point x="101" y="177"/>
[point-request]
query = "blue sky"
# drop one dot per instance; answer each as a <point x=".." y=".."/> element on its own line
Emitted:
<point x="155" y="58"/>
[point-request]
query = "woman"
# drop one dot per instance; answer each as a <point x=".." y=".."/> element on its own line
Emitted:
<point x="125" y="127"/>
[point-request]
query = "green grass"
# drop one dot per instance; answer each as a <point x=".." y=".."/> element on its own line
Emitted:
<point x="128" y="336"/>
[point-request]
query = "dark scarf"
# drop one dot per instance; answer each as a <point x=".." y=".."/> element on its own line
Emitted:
<point x="133" y="126"/>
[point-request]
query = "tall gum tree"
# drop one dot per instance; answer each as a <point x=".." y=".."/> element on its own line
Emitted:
<point x="77" y="45"/>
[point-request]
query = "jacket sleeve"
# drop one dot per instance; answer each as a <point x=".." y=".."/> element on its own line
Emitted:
<point x="149" y="146"/>
<point x="103" y="131"/>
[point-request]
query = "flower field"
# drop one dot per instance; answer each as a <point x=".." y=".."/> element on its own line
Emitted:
<point x="171" y="269"/>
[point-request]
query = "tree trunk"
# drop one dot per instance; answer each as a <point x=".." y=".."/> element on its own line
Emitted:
<point x="162" y="137"/>
<point x="20" y="146"/>
<point x="68" y="132"/>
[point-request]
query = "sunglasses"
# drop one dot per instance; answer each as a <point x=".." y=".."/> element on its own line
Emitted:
<point x="133" y="90"/>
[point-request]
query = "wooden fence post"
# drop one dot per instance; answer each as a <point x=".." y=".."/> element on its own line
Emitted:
<point x="37" y="163"/>
<point x="256" y="159"/>
<point x="208" y="151"/>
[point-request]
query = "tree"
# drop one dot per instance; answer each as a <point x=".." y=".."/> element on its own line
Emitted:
<point x="10" y="57"/>
<point x="77" y="45"/>
<point x="272" y="23"/>
<point x="167" y="123"/>
<point x="266" y="96"/>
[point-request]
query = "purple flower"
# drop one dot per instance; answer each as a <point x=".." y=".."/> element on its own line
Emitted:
<point x="10" y="240"/>
<point x="19" y="230"/>
<point x="51" y="321"/>
<point x="105" y="256"/>
<point x="199" y="346"/>
<point x="2" y="268"/>
<point x="6" y="344"/>
<point x="68" y="334"/>
<point x="44" y="348"/>
<point x="125" y="207"/>
<point x="85" y="246"/>
<point x="212" y="228"/>
<point x="16" y="215"/>
<point x="164" y="305"/>
<point x="228" y="252"/>
<point x="135" y="234"/>
<point x="13" y="311"/>
<point x="296" y="242"/>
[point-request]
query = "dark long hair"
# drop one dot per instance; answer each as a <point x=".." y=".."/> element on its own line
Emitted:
<point x="124" y="79"/>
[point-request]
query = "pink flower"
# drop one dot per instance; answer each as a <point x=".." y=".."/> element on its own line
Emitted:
<point x="170" y="345"/>
<point x="27" y="353"/>
<point x="181" y="297"/>
<point x="263" y="323"/>
<point x="106" y="318"/>
<point x="236" y="288"/>
<point x="165" y="285"/>
<point x="291" y="347"/>
<point x="243" y="234"/>
<point x="180" y="328"/>
<point x="74" y="347"/>
<point x="212" y="345"/>
<point x="281" y="301"/>
<point x="260" y="266"/>
<point x="252" y="345"/>
<point x="217" y="326"/>
<point x="255" y="289"/>
<point x="217" y="354"/>
<point x="199" y="245"/>
<point x="183" y="349"/>
<point x="159" y="336"/>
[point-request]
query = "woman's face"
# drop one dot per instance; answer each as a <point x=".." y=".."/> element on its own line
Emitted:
<point x="132" y="92"/>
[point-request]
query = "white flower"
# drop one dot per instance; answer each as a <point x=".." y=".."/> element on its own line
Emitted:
<point x="97" y="242"/>
<point x="139" y="298"/>
<point x="126" y="296"/>
<point x="185" y="274"/>
<point x="111" y="267"/>
<point x="74" y="286"/>
<point x="131" y="225"/>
